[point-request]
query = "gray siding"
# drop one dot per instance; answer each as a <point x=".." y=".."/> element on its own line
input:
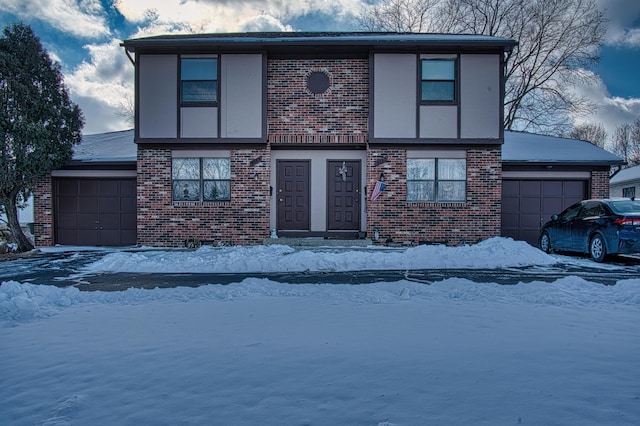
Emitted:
<point x="241" y="97"/>
<point x="480" y="96"/>
<point x="439" y="121"/>
<point x="616" y="189"/>
<point x="394" y="96"/>
<point x="241" y="100"/>
<point x="158" y="96"/>
<point x="199" y="122"/>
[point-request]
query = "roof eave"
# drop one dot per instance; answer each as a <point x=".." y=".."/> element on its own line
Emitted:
<point x="563" y="163"/>
<point x="373" y="42"/>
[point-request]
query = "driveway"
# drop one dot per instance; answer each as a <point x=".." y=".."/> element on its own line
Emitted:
<point x="65" y="268"/>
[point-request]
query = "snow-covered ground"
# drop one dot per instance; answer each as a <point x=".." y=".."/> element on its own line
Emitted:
<point x="264" y="353"/>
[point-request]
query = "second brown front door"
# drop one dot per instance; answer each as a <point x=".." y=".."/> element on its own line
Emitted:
<point x="343" y="209"/>
<point x="293" y="194"/>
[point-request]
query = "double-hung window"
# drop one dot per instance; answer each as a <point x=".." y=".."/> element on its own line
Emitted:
<point x="438" y="80"/>
<point x="436" y="179"/>
<point x="201" y="179"/>
<point x="199" y="80"/>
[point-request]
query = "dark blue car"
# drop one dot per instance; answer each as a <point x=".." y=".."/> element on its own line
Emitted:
<point x="596" y="227"/>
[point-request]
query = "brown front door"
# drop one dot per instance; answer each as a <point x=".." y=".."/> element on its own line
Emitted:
<point x="293" y="194"/>
<point x="343" y="209"/>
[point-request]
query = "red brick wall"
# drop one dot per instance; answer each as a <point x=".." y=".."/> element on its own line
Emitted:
<point x="43" y="212"/>
<point x="452" y="223"/>
<point x="340" y="115"/>
<point x="599" y="184"/>
<point x="242" y="221"/>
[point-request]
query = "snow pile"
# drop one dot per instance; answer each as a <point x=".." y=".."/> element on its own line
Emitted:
<point x="20" y="302"/>
<point x="26" y="301"/>
<point x="491" y="253"/>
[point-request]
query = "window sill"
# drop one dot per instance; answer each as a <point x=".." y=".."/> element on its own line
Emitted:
<point x="221" y="203"/>
<point x="432" y="103"/>
<point x="436" y="203"/>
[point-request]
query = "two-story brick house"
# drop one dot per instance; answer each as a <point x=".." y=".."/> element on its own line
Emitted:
<point x="242" y="134"/>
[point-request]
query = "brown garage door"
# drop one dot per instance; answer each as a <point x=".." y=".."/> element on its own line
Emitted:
<point x="527" y="204"/>
<point x="95" y="212"/>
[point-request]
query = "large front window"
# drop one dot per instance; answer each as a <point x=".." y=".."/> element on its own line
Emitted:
<point x="438" y="82"/>
<point x="436" y="179"/>
<point x="201" y="179"/>
<point x="199" y="80"/>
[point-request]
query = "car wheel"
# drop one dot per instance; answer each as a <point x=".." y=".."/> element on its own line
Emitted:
<point x="597" y="249"/>
<point x="545" y="242"/>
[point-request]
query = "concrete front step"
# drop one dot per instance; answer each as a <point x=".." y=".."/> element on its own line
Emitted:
<point x="318" y="242"/>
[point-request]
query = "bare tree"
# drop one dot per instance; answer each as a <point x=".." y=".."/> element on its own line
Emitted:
<point x="590" y="132"/>
<point x="626" y="142"/>
<point x="126" y="110"/>
<point x="400" y="16"/>
<point x="558" y="40"/>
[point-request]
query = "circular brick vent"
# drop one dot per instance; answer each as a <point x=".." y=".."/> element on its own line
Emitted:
<point x="318" y="82"/>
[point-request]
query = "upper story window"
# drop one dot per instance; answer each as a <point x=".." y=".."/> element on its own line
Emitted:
<point x="438" y="80"/>
<point x="436" y="179"/>
<point x="199" y="80"/>
<point x="201" y="179"/>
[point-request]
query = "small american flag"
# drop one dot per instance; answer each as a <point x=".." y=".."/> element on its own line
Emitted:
<point x="380" y="186"/>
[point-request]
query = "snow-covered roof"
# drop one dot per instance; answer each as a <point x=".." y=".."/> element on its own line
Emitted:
<point x="106" y="147"/>
<point x="519" y="147"/>
<point x="522" y="147"/>
<point x="626" y="175"/>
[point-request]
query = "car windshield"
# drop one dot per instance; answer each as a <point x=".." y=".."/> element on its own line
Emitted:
<point x="625" y="206"/>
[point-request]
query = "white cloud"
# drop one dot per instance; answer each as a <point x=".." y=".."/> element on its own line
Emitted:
<point x="83" y="18"/>
<point x="230" y="16"/>
<point x="622" y="16"/>
<point x="612" y="110"/>
<point x="101" y="85"/>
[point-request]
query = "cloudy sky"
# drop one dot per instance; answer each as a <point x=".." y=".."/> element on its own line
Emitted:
<point x="84" y="36"/>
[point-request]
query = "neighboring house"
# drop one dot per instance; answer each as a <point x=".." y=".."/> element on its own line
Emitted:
<point x="240" y="136"/>
<point x="626" y="182"/>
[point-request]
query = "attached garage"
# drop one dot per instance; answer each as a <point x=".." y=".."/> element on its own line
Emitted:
<point x="543" y="175"/>
<point x="529" y="203"/>
<point x="94" y="196"/>
<point x="95" y="211"/>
